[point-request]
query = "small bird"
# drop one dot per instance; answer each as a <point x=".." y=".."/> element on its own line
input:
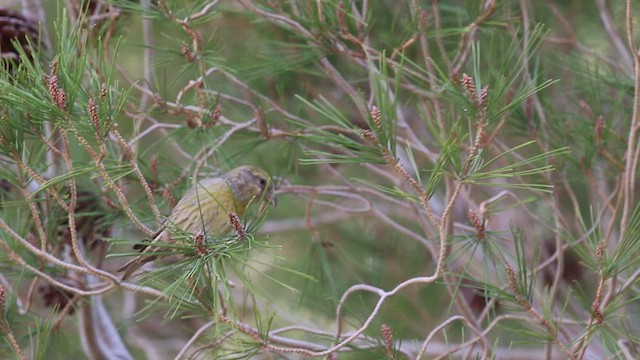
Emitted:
<point x="205" y="208"/>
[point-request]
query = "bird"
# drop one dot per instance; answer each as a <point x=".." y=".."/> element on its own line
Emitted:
<point x="205" y="208"/>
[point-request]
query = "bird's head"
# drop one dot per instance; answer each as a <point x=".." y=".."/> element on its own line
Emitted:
<point x="249" y="183"/>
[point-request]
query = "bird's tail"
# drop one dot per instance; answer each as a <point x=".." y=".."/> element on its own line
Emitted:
<point x="137" y="262"/>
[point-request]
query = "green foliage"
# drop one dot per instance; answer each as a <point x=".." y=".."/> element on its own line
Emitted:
<point x="456" y="171"/>
<point x="625" y="256"/>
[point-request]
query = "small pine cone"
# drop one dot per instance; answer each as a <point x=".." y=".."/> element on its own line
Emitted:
<point x="469" y="86"/>
<point x="234" y="220"/>
<point x="199" y="241"/>
<point x="376" y="116"/>
<point x="14" y="27"/>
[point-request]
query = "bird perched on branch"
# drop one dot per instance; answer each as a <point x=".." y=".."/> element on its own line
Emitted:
<point x="205" y="208"/>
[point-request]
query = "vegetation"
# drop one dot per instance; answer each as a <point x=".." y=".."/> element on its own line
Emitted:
<point x="455" y="179"/>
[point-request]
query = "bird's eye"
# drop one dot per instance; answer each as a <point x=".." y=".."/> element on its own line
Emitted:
<point x="262" y="181"/>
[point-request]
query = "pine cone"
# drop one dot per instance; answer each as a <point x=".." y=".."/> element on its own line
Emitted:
<point x="14" y="27"/>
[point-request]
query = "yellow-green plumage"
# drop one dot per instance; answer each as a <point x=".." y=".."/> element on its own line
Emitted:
<point x="206" y="207"/>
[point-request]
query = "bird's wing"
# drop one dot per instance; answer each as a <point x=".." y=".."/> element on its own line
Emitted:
<point x="134" y="264"/>
<point x="203" y="207"/>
